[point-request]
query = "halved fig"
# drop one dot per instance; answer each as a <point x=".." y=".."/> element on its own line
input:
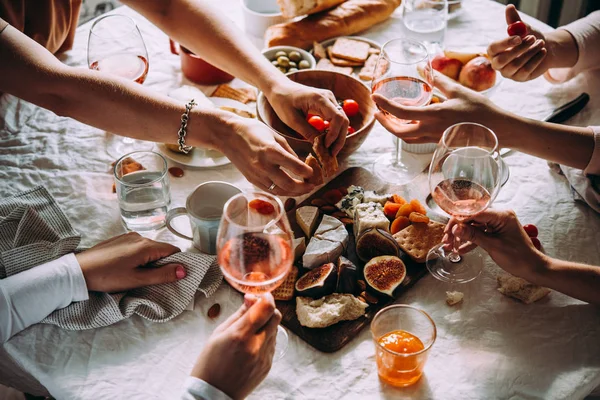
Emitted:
<point x="376" y="242"/>
<point x="347" y="276"/>
<point x="318" y="282"/>
<point x="385" y="274"/>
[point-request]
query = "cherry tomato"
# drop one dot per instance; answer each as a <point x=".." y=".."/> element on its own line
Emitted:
<point x="532" y="230"/>
<point x="317" y="123"/>
<point x="351" y="130"/>
<point x="326" y="123"/>
<point x="536" y="243"/>
<point x="310" y="115"/>
<point x="517" y="29"/>
<point x="350" y="107"/>
<point x="261" y="206"/>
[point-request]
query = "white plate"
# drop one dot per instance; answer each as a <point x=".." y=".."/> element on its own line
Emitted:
<point x="198" y="158"/>
<point x="330" y="42"/>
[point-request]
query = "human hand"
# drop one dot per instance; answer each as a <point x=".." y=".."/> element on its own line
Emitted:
<point x="262" y="155"/>
<point x="521" y="59"/>
<point x="292" y="102"/>
<point x="501" y="235"/>
<point x="239" y="353"/>
<point x="430" y="122"/>
<point x="117" y="264"/>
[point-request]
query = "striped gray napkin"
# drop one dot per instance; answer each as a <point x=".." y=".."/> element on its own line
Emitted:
<point x="34" y="230"/>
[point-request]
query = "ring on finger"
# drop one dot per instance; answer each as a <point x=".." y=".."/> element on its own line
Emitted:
<point x="273" y="186"/>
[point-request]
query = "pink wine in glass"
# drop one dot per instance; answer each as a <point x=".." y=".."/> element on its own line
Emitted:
<point x="127" y="66"/>
<point x="256" y="263"/>
<point x="461" y="198"/>
<point x="404" y="90"/>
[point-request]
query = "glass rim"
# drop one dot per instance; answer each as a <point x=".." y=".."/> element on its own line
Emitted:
<point x="403" y="306"/>
<point x="163" y="174"/>
<point x="419" y="44"/>
<point x="450" y="128"/>
<point x="244" y="193"/>
<point x="134" y="25"/>
<point x="200" y="186"/>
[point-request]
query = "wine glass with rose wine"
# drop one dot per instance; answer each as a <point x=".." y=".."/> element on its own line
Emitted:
<point x="464" y="178"/>
<point x="116" y="46"/>
<point x="254" y="247"/>
<point x="403" y="74"/>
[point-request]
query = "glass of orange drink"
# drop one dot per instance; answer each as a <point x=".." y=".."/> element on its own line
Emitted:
<point x="403" y="336"/>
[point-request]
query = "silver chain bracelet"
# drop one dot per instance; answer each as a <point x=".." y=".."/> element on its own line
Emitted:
<point x="183" y="128"/>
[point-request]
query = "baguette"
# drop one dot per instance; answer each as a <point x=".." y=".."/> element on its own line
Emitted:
<point x="295" y="8"/>
<point x="348" y="18"/>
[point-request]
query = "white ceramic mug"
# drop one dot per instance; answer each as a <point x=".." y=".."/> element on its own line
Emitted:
<point x="204" y="207"/>
<point x="259" y="15"/>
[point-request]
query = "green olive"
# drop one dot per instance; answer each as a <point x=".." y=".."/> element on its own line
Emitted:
<point x="304" y="64"/>
<point x="284" y="70"/>
<point x="283" y="61"/>
<point x="293" y="70"/>
<point x="280" y="54"/>
<point x="295" y="56"/>
<point x="293" y="64"/>
<point x="275" y="63"/>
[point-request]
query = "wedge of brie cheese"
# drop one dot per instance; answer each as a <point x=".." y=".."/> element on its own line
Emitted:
<point x="299" y="245"/>
<point x="307" y="217"/>
<point x="369" y="215"/>
<point x="351" y="200"/>
<point x="328" y="243"/>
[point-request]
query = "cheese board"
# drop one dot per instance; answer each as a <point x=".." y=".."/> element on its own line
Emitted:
<point x="332" y="338"/>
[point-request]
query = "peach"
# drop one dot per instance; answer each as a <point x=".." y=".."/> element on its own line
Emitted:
<point x="447" y="66"/>
<point x="478" y="74"/>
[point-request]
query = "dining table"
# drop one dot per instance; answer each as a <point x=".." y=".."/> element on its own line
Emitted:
<point x="488" y="347"/>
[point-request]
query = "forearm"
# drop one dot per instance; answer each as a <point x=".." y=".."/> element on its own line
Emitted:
<point x="562" y="49"/>
<point x="207" y="32"/>
<point x="580" y="281"/>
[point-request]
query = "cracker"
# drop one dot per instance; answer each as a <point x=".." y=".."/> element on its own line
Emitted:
<point x="228" y="92"/>
<point x="328" y="161"/>
<point x="327" y="65"/>
<point x="250" y="92"/>
<point x="341" y="62"/>
<point x="319" y="51"/>
<point x="317" y="177"/>
<point x="352" y="50"/>
<point x="368" y="71"/>
<point x="286" y="290"/>
<point x="417" y="239"/>
<point x="373" y="50"/>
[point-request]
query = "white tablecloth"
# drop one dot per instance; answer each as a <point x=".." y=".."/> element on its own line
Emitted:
<point x="489" y="347"/>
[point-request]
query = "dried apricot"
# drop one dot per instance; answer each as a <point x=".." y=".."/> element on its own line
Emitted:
<point x="418" y="207"/>
<point x="398" y="199"/>
<point x="398" y="224"/>
<point x="404" y="210"/>
<point x="261" y="206"/>
<point x="418" y="217"/>
<point x="391" y="209"/>
<point x="333" y="196"/>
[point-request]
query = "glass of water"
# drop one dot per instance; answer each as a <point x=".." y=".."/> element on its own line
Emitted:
<point x="142" y="185"/>
<point x="425" y="21"/>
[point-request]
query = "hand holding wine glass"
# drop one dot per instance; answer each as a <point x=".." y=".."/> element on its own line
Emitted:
<point x="464" y="178"/>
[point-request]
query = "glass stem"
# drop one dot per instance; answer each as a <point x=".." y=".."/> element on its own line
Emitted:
<point x="398" y="148"/>
<point x="454" y="256"/>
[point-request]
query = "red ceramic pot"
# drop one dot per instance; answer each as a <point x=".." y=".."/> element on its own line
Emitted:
<point x="196" y="69"/>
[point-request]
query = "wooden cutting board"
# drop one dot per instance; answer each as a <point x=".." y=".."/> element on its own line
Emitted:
<point x="335" y="337"/>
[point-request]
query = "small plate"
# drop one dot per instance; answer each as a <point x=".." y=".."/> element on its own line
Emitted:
<point x="198" y="158"/>
<point x="330" y="42"/>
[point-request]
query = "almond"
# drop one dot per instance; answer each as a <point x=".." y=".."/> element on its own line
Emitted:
<point x="362" y="299"/>
<point x="339" y="214"/>
<point x="328" y="209"/>
<point x="369" y="298"/>
<point x="318" y="203"/>
<point x="214" y="311"/>
<point x="347" y="221"/>
<point x="362" y="285"/>
<point x="289" y="204"/>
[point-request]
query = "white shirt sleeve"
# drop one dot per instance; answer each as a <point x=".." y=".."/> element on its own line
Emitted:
<point x="197" y="389"/>
<point x="30" y="296"/>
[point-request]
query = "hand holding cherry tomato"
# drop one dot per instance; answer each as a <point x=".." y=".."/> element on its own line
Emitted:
<point x="517" y="29"/>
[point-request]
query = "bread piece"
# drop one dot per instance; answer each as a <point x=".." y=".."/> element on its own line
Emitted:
<point x="346" y="19"/>
<point x="242" y="95"/>
<point x="417" y="239"/>
<point x="327" y="65"/>
<point x="285" y="291"/>
<point x="328" y="161"/>
<point x="175" y="148"/>
<point x="453" y="298"/>
<point x="295" y="8"/>
<point x="236" y="111"/>
<point x="317" y="176"/>
<point x="307" y="217"/>
<point x="340" y="62"/>
<point x="520" y="289"/>
<point x="349" y="49"/>
<point x="319" y="51"/>
<point x="328" y="310"/>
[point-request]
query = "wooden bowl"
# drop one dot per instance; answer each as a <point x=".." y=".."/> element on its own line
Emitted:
<point x="343" y="87"/>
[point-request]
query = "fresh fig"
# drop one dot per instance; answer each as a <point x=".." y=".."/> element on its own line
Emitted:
<point x="347" y="276"/>
<point x="384" y="274"/>
<point x="376" y="242"/>
<point x="318" y="282"/>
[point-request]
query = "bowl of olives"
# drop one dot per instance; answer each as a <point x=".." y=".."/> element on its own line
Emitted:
<point x="290" y="59"/>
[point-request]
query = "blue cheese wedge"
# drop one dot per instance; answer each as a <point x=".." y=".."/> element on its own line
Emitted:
<point x="328" y="243"/>
<point x="351" y="200"/>
<point x="372" y="197"/>
<point x="369" y="215"/>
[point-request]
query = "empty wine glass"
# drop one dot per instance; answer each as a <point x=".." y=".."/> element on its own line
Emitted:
<point x="116" y="46"/>
<point x="403" y="74"/>
<point x="464" y="178"/>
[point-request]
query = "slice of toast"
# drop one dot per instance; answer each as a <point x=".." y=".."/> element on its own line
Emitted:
<point x="328" y="161"/>
<point x="340" y="62"/>
<point x="520" y="289"/>
<point x="317" y="177"/>
<point x="349" y="49"/>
